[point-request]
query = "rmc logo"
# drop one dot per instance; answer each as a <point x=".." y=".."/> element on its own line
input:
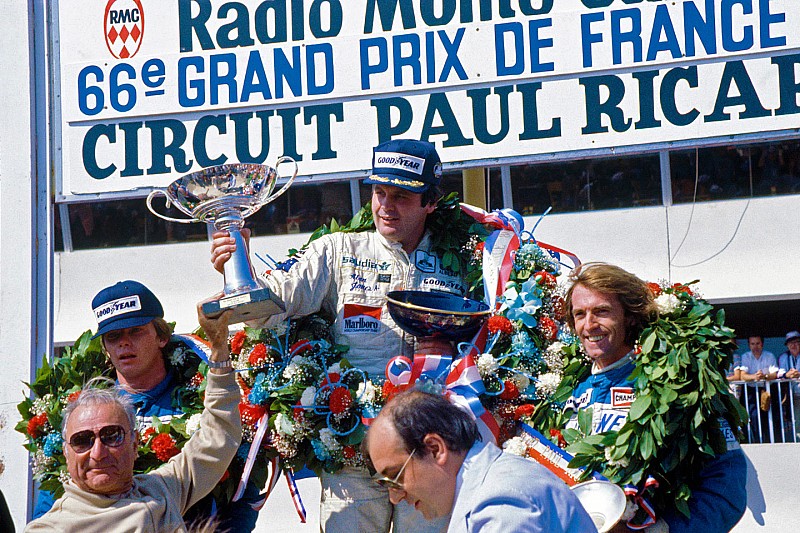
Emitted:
<point x="124" y="27"/>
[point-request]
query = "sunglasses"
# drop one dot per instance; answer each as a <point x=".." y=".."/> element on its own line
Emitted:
<point x="395" y="484"/>
<point x="83" y="441"/>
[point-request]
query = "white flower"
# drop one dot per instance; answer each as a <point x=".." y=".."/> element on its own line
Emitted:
<point x="366" y="392"/>
<point x="487" y="364"/>
<point x="521" y="381"/>
<point x="178" y="356"/>
<point x="193" y="424"/>
<point x="308" y="396"/>
<point x="516" y="446"/>
<point x="335" y="369"/>
<point x="40" y="404"/>
<point x="667" y="303"/>
<point x="284" y="424"/>
<point x="328" y="440"/>
<point x="279" y="329"/>
<point x="554" y="357"/>
<point x="548" y="383"/>
<point x="291" y="369"/>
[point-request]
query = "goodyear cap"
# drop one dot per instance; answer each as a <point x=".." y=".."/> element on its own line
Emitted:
<point x="406" y="163"/>
<point x="126" y="304"/>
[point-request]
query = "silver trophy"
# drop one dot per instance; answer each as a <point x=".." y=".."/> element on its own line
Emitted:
<point x="225" y="195"/>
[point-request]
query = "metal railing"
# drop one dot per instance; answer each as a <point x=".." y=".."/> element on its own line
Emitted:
<point x="780" y="421"/>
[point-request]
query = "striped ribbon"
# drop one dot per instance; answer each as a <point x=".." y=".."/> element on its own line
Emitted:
<point x="262" y="425"/>
<point x="274" y="469"/>
<point x="637" y="496"/>
<point x="296" y="499"/>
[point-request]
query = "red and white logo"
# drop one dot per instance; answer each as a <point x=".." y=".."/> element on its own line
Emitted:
<point x="124" y="27"/>
<point x="622" y="397"/>
<point x="361" y="319"/>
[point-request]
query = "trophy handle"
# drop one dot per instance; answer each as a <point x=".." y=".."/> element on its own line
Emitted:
<point x="282" y="159"/>
<point x="155" y="193"/>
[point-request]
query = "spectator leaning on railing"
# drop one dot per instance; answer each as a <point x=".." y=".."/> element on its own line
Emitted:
<point x="789" y="368"/>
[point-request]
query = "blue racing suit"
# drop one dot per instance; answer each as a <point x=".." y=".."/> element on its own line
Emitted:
<point x="718" y="499"/>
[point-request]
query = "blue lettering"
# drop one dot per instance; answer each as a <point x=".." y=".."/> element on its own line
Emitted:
<point x="632" y="36"/>
<point x="514" y="31"/>
<point x="588" y="38"/>
<point x="767" y="20"/>
<point x="312" y="52"/>
<point x="367" y="67"/>
<point x="728" y="42"/>
<point x="197" y="86"/>
<point x="663" y="24"/>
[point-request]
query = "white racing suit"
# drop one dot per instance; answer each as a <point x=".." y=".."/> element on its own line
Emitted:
<point x="349" y="276"/>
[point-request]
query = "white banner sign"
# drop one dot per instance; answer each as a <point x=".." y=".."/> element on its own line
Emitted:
<point x="150" y="90"/>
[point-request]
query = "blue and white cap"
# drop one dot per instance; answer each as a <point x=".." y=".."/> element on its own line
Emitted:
<point x="406" y="163"/>
<point x="126" y="304"/>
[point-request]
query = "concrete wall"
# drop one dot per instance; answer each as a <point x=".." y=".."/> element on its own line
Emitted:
<point x="17" y="242"/>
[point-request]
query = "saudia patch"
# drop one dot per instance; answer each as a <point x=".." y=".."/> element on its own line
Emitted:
<point x="622" y="397"/>
<point x="361" y="319"/>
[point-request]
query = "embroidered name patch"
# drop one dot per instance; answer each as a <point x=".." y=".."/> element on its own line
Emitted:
<point x="361" y="319"/>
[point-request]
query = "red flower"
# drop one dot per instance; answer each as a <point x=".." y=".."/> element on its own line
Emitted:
<point x="655" y="288"/>
<point x="299" y="415"/>
<point x="258" y="356"/>
<point x="680" y="287"/>
<point x="556" y="433"/>
<point x="300" y="347"/>
<point x="389" y="390"/>
<point x="506" y="411"/>
<point x="510" y="392"/>
<point x="479" y="247"/>
<point x="250" y="413"/>
<point x="557" y="304"/>
<point x="163" y="446"/>
<point x="35" y="425"/>
<point x="524" y="410"/>
<point x="237" y="343"/>
<point x="545" y="279"/>
<point x="340" y="400"/>
<point x="73" y="396"/>
<point x="548" y="327"/>
<point x="149" y="432"/>
<point x="500" y="324"/>
<point x="196" y="380"/>
<point x="348" y="452"/>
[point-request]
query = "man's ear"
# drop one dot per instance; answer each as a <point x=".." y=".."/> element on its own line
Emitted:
<point x="436" y="447"/>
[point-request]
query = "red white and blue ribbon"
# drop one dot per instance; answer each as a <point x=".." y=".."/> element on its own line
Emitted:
<point x="631" y="491"/>
<point x="262" y="426"/>
<point x="461" y="379"/>
<point x="274" y="469"/>
<point x="296" y="499"/>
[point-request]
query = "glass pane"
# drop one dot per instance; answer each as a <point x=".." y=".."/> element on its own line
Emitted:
<point x="303" y="208"/>
<point x="723" y="172"/>
<point x="586" y="184"/>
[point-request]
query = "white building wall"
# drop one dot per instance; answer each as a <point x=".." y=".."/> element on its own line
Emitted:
<point x="17" y="241"/>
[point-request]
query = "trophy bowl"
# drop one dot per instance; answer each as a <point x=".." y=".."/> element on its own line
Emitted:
<point x="436" y="314"/>
<point x="603" y="501"/>
<point x="224" y="196"/>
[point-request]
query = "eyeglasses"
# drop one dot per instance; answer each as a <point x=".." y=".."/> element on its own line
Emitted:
<point x="395" y="484"/>
<point x="83" y="441"/>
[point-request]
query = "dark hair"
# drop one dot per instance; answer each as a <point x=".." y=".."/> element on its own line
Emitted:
<point x="415" y="414"/>
<point x="760" y="337"/>
<point x="633" y="293"/>
<point x="431" y="196"/>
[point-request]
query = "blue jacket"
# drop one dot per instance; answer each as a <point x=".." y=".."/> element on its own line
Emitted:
<point x="504" y="493"/>
<point x="718" y="500"/>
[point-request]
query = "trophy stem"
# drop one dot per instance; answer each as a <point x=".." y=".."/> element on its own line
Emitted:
<point x="238" y="271"/>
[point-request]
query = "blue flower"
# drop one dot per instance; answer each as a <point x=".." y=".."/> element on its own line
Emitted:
<point x="320" y="450"/>
<point x="53" y="444"/>
<point x="523" y="305"/>
<point x="259" y="394"/>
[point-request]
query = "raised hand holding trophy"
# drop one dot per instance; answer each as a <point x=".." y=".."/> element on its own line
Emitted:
<point x="225" y="195"/>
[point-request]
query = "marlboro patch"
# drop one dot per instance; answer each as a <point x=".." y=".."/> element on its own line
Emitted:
<point x="361" y="319"/>
<point x="622" y="397"/>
